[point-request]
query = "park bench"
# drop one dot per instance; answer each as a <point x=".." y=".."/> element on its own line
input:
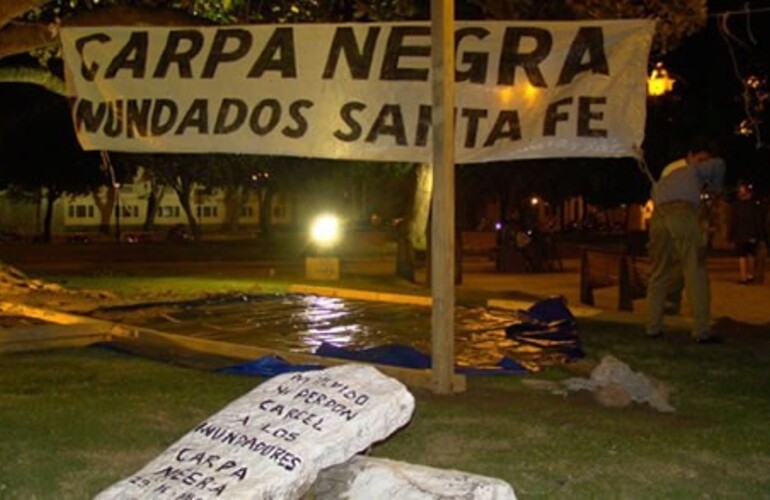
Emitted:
<point x="611" y="265"/>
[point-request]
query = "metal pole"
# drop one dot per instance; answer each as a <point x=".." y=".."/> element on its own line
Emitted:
<point x="443" y="218"/>
<point x="116" y="186"/>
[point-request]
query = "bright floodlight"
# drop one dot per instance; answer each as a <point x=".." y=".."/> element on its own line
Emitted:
<point x="325" y="230"/>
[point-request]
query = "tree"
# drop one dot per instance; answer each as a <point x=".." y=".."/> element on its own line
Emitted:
<point x="107" y="197"/>
<point x="676" y="19"/>
<point x="39" y="150"/>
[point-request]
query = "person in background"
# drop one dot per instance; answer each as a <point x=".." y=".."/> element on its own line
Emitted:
<point x="676" y="243"/>
<point x="747" y="231"/>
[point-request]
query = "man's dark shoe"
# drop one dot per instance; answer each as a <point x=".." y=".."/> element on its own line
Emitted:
<point x="654" y="336"/>
<point x="708" y="338"/>
<point x="671" y="309"/>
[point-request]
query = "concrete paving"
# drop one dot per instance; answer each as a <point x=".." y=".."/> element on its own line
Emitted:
<point x="730" y="300"/>
<point x="747" y="304"/>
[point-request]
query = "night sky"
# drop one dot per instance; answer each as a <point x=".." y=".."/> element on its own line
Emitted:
<point x="708" y="99"/>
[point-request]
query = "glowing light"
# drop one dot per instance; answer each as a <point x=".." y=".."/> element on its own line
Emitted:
<point x="534" y="201"/>
<point x="531" y="92"/>
<point x="659" y="82"/>
<point x="744" y="128"/>
<point x="526" y="92"/>
<point x="506" y="95"/>
<point x="753" y="82"/>
<point x="325" y="230"/>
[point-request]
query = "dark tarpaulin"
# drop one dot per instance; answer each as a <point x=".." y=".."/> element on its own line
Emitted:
<point x="547" y="331"/>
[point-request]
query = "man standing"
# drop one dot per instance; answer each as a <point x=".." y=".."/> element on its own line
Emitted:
<point x="676" y="240"/>
<point x="747" y="231"/>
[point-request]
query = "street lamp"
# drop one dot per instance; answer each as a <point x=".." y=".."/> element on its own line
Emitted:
<point x="325" y="231"/>
<point x="325" y="235"/>
<point x="659" y="82"/>
<point x="116" y="186"/>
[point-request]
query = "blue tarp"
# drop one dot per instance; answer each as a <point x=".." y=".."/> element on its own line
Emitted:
<point x="409" y="357"/>
<point x="268" y="366"/>
<point x="392" y="355"/>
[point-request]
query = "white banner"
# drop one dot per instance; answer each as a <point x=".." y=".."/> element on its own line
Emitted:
<point x="360" y="91"/>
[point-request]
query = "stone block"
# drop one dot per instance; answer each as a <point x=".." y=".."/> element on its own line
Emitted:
<point x="368" y="478"/>
<point x="272" y="442"/>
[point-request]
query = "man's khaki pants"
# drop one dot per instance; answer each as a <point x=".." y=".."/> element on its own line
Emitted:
<point x="676" y="237"/>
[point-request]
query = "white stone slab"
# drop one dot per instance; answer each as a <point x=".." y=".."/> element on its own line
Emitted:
<point x="368" y="478"/>
<point x="271" y="443"/>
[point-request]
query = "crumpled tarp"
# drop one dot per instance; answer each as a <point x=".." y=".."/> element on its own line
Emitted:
<point x="546" y="334"/>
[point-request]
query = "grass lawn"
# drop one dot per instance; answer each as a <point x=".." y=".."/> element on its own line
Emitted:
<point x="74" y="421"/>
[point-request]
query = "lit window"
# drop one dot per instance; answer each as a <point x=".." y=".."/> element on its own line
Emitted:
<point x="81" y="211"/>
<point x="207" y="211"/>
<point x="168" y="211"/>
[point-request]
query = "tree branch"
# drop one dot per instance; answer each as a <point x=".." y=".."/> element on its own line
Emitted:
<point x="22" y="38"/>
<point x="11" y="9"/>
<point x="134" y="16"/>
<point x="37" y="76"/>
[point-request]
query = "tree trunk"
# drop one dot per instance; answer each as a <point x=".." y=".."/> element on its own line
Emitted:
<point x="105" y="207"/>
<point x="153" y="203"/>
<point x="412" y="232"/>
<point x="265" y="197"/>
<point x="233" y="197"/>
<point x="184" y="192"/>
<point x="184" y="200"/>
<point x="421" y="206"/>
<point x="51" y="196"/>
